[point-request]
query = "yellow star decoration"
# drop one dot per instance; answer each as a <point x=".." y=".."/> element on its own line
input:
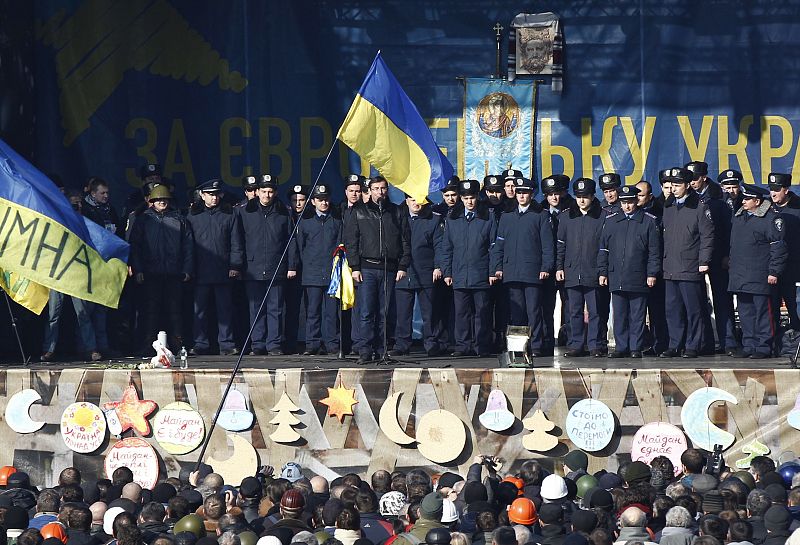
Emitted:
<point x="132" y="411"/>
<point x="340" y="401"/>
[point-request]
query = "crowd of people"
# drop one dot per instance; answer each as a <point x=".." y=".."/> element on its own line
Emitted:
<point x="488" y="256"/>
<point x="700" y="503"/>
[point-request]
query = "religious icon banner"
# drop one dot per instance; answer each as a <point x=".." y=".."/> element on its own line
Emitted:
<point x="498" y="127"/>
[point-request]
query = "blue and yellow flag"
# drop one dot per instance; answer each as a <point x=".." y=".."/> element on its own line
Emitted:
<point x="384" y="127"/>
<point x="43" y="240"/>
<point x="498" y="127"/>
<point x="341" y="286"/>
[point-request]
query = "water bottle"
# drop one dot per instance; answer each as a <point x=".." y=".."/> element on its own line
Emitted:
<point x="184" y="358"/>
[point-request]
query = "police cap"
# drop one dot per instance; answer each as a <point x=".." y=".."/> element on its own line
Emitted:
<point x="211" y="186"/>
<point x="267" y="182"/>
<point x="250" y="183"/>
<point x="468" y="187"/>
<point x="150" y="169"/>
<point x="453" y="184"/>
<point x="697" y="168"/>
<point x="322" y="191"/>
<point x="492" y="183"/>
<point x="730" y="177"/>
<point x="778" y="180"/>
<point x="610" y="180"/>
<point x="583" y="187"/>
<point x="511" y="173"/>
<point x="522" y="185"/>
<point x="678" y="175"/>
<point x="628" y="192"/>
<point x="355" y="179"/>
<point x="752" y="191"/>
<point x="554" y="183"/>
<point x="298" y="189"/>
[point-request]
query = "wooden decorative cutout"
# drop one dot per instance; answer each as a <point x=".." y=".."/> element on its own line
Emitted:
<point x="694" y="417"/>
<point x="753" y="449"/>
<point x="284" y="433"/>
<point x="539" y="440"/>
<point x="387" y="418"/>
<point x="441" y="436"/>
<point x="137" y="455"/>
<point x="18" y="415"/>
<point x="340" y="401"/>
<point x="178" y="428"/>
<point x="497" y="417"/>
<point x="83" y="427"/>
<point x="590" y="425"/>
<point x="132" y="411"/>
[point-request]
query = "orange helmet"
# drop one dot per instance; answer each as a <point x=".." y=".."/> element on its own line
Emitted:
<point x="523" y="511"/>
<point x="516" y="481"/>
<point x="5" y="471"/>
<point x="54" y="529"/>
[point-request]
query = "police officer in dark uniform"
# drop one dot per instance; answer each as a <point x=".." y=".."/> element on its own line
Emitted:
<point x="523" y="256"/>
<point x="442" y="293"/>
<point x="758" y="258"/>
<point x="219" y="259"/>
<point x="555" y="200"/>
<point x="498" y="295"/>
<point x="577" y="240"/>
<point x="610" y="183"/>
<point x="378" y="242"/>
<point x="350" y="320"/>
<point x="688" y="248"/>
<point x="656" y="309"/>
<point x="510" y="187"/>
<point x="469" y="235"/>
<point x="666" y="187"/>
<point x="730" y="181"/>
<point x="293" y="288"/>
<point x="787" y="204"/>
<point x="162" y="257"/>
<point x="629" y="261"/>
<point x="318" y="234"/>
<point x="250" y="185"/>
<point x="426" y="242"/>
<point x="711" y="195"/>
<point x="267" y="228"/>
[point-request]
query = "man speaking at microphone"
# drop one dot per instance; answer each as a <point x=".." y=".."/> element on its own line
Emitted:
<point x="378" y="243"/>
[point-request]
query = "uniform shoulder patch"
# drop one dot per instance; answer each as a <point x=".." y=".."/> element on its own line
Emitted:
<point x="612" y="214"/>
<point x="778" y="224"/>
<point x="708" y="213"/>
<point x="437" y="214"/>
<point x="649" y="215"/>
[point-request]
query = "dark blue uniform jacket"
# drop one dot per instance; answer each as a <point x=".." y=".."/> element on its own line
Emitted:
<point x="577" y="242"/>
<point x="466" y="246"/>
<point x="426" y="243"/>
<point x="757" y="250"/>
<point x="688" y="238"/>
<point x="218" y="243"/>
<point x="630" y="251"/>
<point x="162" y="244"/>
<point x="524" y="246"/>
<point x="266" y="232"/>
<point x="317" y="238"/>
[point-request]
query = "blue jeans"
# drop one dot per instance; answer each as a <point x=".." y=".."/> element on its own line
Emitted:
<point x="82" y="313"/>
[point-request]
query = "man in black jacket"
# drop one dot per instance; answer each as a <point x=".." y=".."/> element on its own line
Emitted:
<point x="219" y="255"/>
<point x="267" y="229"/>
<point x="688" y="247"/>
<point x="787" y="204"/>
<point x="378" y="242"/>
<point x="162" y="257"/>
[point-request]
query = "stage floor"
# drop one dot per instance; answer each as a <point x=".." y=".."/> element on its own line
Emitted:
<point x="420" y="360"/>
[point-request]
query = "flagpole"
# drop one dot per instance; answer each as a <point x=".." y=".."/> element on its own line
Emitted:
<point x="260" y="308"/>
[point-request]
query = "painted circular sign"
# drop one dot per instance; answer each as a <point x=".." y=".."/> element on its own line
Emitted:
<point x="179" y="428"/>
<point x="659" y="439"/>
<point x="83" y="427"/>
<point x="590" y="425"/>
<point x="137" y="455"/>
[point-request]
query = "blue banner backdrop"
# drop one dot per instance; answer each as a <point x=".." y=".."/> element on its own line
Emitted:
<point x="230" y="88"/>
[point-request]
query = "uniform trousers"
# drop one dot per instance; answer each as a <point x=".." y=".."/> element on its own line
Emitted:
<point x="550" y="322"/>
<point x="373" y="306"/>
<point x="404" y="302"/>
<point x="163" y="295"/>
<point x="684" y="300"/>
<point x="787" y="291"/>
<point x="656" y="310"/>
<point x="525" y="301"/>
<point x="321" y="318"/>
<point x="630" y="308"/>
<point x="222" y="295"/>
<point x="755" y="317"/>
<point x="293" y="303"/>
<point x="473" y="321"/>
<point x="267" y="328"/>
<point x="603" y="309"/>
<point x="498" y="298"/>
<point x="723" y="308"/>
<point x="577" y="297"/>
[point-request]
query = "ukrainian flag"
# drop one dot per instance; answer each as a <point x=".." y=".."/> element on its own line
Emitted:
<point x="384" y="127"/>
<point x="43" y="240"/>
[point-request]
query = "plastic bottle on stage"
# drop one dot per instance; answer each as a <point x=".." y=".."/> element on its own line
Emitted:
<point x="184" y="358"/>
<point x="162" y="338"/>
